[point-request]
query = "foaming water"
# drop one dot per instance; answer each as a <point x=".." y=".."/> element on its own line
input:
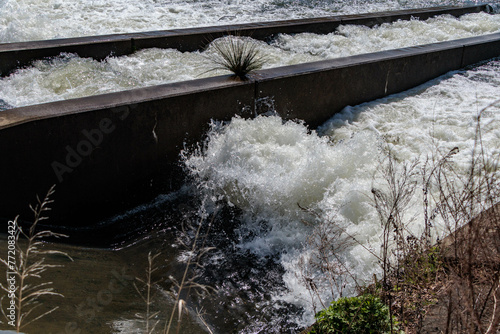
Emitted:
<point x="268" y="167"/>
<point x="69" y="76"/>
<point x="29" y="20"/>
<point x="355" y="39"/>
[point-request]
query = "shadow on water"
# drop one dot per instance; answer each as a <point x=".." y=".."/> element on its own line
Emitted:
<point x="98" y="286"/>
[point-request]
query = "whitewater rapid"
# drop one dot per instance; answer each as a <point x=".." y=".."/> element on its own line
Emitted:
<point x="69" y="76"/>
<point x="267" y="167"/>
<point x="28" y="20"/>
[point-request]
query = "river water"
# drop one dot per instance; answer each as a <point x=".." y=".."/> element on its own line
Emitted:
<point x="69" y="76"/>
<point x="28" y="20"/>
<point x="251" y="178"/>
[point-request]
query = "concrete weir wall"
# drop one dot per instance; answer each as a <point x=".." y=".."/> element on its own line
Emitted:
<point x="15" y="55"/>
<point x="110" y="152"/>
<point x="315" y="91"/>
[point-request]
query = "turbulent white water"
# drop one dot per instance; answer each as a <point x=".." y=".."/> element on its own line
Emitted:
<point x="27" y="20"/>
<point x="266" y="166"/>
<point x="70" y="76"/>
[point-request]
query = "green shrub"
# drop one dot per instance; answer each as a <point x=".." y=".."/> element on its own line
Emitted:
<point x="356" y="315"/>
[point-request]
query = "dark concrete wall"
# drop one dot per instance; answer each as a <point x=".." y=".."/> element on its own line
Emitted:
<point x="109" y="152"/>
<point x="315" y="91"/>
<point x="480" y="48"/>
<point x="15" y="55"/>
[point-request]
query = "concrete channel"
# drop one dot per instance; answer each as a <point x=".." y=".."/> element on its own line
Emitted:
<point x="15" y="55"/>
<point x="109" y="152"/>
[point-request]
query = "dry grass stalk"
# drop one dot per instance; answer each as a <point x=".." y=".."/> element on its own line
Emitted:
<point x="325" y="266"/>
<point x="201" y="315"/>
<point x="147" y="296"/>
<point x="391" y="204"/>
<point x="188" y="282"/>
<point x="31" y="264"/>
<point x="392" y="201"/>
<point x="470" y="210"/>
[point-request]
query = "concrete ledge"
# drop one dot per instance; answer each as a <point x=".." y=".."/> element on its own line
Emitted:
<point x="110" y="152"/>
<point x="480" y="48"/>
<point x="15" y="55"/>
<point x="314" y="92"/>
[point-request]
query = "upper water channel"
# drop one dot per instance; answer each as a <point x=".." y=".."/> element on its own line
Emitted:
<point x="30" y="20"/>
<point x="69" y="76"/>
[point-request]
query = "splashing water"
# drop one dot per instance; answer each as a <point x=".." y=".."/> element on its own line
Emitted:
<point x="266" y="167"/>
